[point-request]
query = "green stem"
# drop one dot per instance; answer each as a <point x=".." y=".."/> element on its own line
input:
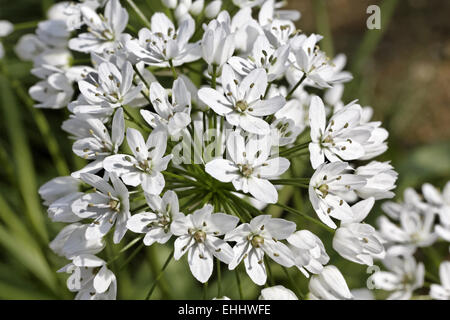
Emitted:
<point x="139" y="13"/>
<point x="134" y="120"/>
<point x="296" y="86"/>
<point x="128" y="246"/>
<point x="295" y="148"/>
<point x="219" y="279"/>
<point x="323" y="26"/>
<point x="158" y="277"/>
<point x="214" y="76"/>
<point x="291" y="182"/>
<point x="205" y="290"/>
<point x="293" y="284"/>
<point x="174" y="72"/>
<point x="131" y="256"/>
<point x="25" y="25"/>
<point x="294" y="211"/>
<point x="238" y="280"/>
<point x="269" y="271"/>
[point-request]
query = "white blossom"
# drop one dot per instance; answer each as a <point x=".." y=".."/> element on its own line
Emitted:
<point x="404" y="276"/>
<point x="156" y="223"/>
<point x="277" y="293"/>
<point x="110" y="85"/>
<point x="144" y="168"/>
<point x="174" y="115"/>
<point x="442" y="291"/>
<point x="104" y="31"/>
<point x="356" y="241"/>
<point x="329" y="285"/>
<point x="242" y="103"/>
<point x="342" y="138"/>
<point x="164" y="44"/>
<point x="90" y="278"/>
<point x="327" y="188"/>
<point x="380" y="178"/>
<point x="198" y="236"/>
<point x="108" y="205"/>
<point x="309" y="252"/>
<point x="250" y="167"/>
<point x="261" y="236"/>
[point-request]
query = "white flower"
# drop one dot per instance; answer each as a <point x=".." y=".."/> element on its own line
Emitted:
<point x="107" y="205"/>
<point x="99" y="143"/>
<point x="342" y="138"/>
<point x="326" y="189"/>
<point x="356" y="241"/>
<point x="380" y="178"/>
<point x="261" y="235"/>
<point x="442" y="291"/>
<point x="172" y="4"/>
<point x="198" y="236"/>
<point x="164" y="43"/>
<point x="104" y="32"/>
<point x="55" y="92"/>
<point x="404" y="276"/>
<point x="74" y="17"/>
<point x="146" y="165"/>
<point x="173" y="116"/>
<point x="269" y="12"/>
<point x="28" y="47"/>
<point x="71" y="241"/>
<point x="247" y="3"/>
<point x="212" y="9"/>
<point x="218" y="42"/>
<point x="156" y="224"/>
<point x="242" y="102"/>
<point x="110" y="85"/>
<point x="309" y="252"/>
<point x="363" y="294"/>
<point x="187" y="7"/>
<point x="273" y="60"/>
<point x="91" y="278"/>
<point x="6" y="28"/>
<point x="415" y="230"/>
<point x="250" y="167"/>
<point x="376" y="144"/>
<point x="58" y="188"/>
<point x="440" y="203"/>
<point x="313" y="64"/>
<point x="53" y="33"/>
<point x="277" y="293"/>
<point x="329" y="285"/>
<point x="412" y="201"/>
<point x="289" y="122"/>
<point x="246" y="30"/>
<point x="81" y="109"/>
<point x="61" y="209"/>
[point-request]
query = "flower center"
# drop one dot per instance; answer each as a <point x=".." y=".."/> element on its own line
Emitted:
<point x="323" y="189"/>
<point x="241" y="105"/>
<point x="114" y="204"/>
<point x="200" y="236"/>
<point x="246" y="170"/>
<point x="257" y="241"/>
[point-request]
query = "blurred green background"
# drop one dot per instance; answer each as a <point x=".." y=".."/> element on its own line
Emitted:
<point x="402" y="71"/>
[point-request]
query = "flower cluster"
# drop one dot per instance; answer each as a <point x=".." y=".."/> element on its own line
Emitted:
<point x="409" y="230"/>
<point x="191" y="124"/>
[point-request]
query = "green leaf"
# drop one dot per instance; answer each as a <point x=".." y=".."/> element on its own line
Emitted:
<point x="22" y="160"/>
<point x="30" y="256"/>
